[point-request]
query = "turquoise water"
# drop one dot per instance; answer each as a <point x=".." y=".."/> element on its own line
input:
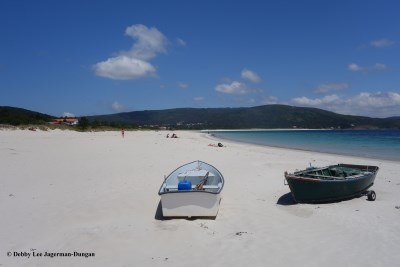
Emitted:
<point x="382" y="144"/>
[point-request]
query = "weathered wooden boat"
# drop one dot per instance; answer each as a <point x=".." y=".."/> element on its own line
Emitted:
<point x="192" y="190"/>
<point x="332" y="183"/>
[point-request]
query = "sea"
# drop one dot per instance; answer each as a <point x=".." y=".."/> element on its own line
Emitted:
<point x="377" y="144"/>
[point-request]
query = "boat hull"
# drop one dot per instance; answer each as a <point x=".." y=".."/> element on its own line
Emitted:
<point x="315" y="190"/>
<point x="190" y="204"/>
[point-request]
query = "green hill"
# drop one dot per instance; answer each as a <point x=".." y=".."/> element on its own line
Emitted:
<point x="18" y="116"/>
<point x="268" y="116"/>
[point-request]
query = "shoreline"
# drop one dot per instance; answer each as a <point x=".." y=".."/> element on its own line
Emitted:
<point x="298" y="149"/>
<point x="266" y="130"/>
<point x="215" y="138"/>
<point x="210" y="136"/>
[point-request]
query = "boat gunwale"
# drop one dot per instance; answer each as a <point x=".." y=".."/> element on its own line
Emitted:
<point x="192" y="191"/>
<point x="321" y="180"/>
<point x="296" y="176"/>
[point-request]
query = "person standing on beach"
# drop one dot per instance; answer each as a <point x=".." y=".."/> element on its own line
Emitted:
<point x="122" y="132"/>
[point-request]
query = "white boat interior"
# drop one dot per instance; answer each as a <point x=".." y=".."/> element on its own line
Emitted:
<point x="197" y="173"/>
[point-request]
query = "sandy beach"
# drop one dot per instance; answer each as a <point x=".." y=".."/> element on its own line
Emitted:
<point x="96" y="193"/>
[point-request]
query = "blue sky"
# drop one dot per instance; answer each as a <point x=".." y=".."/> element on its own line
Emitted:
<point x="100" y="57"/>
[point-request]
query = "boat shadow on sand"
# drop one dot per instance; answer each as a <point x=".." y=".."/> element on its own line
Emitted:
<point x="286" y="200"/>
<point x="159" y="215"/>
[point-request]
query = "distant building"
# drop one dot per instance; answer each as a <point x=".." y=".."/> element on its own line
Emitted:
<point x="65" y="121"/>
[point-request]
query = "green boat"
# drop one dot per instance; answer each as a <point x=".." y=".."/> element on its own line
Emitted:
<point x="332" y="183"/>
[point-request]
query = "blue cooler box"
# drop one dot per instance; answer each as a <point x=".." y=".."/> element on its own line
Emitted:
<point x="184" y="185"/>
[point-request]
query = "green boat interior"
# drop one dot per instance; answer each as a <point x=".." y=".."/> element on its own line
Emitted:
<point x="333" y="172"/>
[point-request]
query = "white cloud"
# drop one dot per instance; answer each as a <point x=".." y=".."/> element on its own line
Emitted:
<point x="150" y="41"/>
<point x="329" y="99"/>
<point x="326" y="87"/>
<point x="233" y="88"/>
<point x="250" y="75"/>
<point x="379" y="66"/>
<point x="382" y="43"/>
<point x="379" y="104"/>
<point x="68" y="114"/>
<point x="269" y="100"/>
<point x="376" y="100"/>
<point x="133" y="64"/>
<point x="376" y="67"/>
<point x="124" y="68"/>
<point x="182" y="85"/>
<point x="354" y="67"/>
<point x="117" y="106"/>
<point x="180" y="42"/>
<point x="198" y="98"/>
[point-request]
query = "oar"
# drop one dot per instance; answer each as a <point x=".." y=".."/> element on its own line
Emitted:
<point x="199" y="186"/>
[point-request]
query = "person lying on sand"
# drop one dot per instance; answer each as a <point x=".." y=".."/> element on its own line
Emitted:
<point x="216" y="145"/>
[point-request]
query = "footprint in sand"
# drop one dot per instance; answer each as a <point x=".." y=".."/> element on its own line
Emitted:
<point x="240" y="233"/>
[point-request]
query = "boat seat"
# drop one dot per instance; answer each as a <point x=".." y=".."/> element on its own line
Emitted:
<point x="324" y="176"/>
<point x="175" y="187"/>
<point x="210" y="186"/>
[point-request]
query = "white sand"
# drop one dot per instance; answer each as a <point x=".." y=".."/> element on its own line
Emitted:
<point x="64" y="191"/>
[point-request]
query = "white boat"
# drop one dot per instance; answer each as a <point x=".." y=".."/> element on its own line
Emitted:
<point x="192" y="190"/>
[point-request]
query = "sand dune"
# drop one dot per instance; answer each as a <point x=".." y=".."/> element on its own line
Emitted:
<point x="63" y="191"/>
